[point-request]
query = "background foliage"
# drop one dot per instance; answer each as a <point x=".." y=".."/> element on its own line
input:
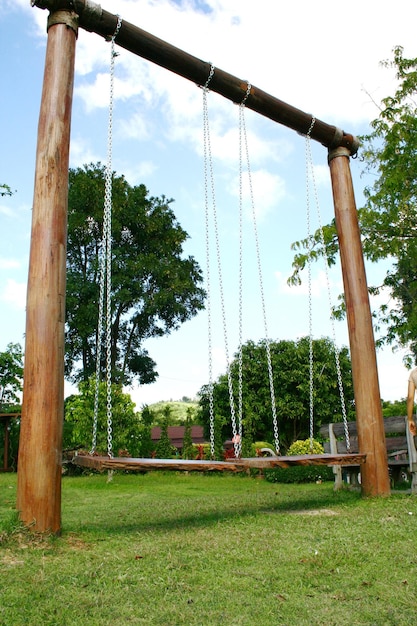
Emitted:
<point x="387" y="219"/>
<point x="154" y="287"/>
<point x="290" y="365"/>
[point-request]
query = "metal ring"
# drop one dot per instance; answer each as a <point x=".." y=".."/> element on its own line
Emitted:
<point x="205" y="87"/>
<point x="248" y="90"/>
<point x="310" y="130"/>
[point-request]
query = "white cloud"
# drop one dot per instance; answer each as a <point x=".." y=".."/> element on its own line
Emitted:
<point x="319" y="285"/>
<point x="15" y="294"/>
<point x="5" y="210"/>
<point x="142" y="171"/>
<point x="135" y="127"/>
<point x="268" y="189"/>
<point x="81" y="152"/>
<point x="8" y="264"/>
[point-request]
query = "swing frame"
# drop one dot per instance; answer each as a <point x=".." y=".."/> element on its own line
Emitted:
<point x="40" y="451"/>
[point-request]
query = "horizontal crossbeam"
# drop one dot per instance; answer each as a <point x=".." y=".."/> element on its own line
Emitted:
<point x="130" y="37"/>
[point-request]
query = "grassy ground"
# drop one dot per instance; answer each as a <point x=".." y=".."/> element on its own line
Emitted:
<point x="175" y="549"/>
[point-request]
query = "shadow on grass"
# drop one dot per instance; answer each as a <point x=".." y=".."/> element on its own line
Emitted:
<point x="188" y="512"/>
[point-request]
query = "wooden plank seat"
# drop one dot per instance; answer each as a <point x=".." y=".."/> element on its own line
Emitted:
<point x="399" y="443"/>
<point x="102" y="463"/>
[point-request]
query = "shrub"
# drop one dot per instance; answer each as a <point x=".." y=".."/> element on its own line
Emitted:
<point x="258" y="445"/>
<point x="201" y="451"/>
<point x="303" y="447"/>
<point x="299" y="474"/>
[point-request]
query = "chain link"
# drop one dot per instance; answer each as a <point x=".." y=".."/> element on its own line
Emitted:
<point x="209" y="185"/>
<point x="310" y="174"/>
<point x="309" y="282"/>
<point x="104" y="312"/>
<point x="208" y="268"/>
<point x="243" y="139"/>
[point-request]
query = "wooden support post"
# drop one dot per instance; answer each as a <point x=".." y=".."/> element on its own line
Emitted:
<point x="40" y="449"/>
<point x="6" y="445"/>
<point x="370" y="424"/>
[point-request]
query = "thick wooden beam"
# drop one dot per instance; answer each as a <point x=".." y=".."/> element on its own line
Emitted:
<point x="40" y="448"/>
<point x="95" y="19"/>
<point x="6" y="445"/>
<point x="370" y="423"/>
<point x="102" y="463"/>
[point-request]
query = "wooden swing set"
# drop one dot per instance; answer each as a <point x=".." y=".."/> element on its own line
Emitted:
<point x="40" y="450"/>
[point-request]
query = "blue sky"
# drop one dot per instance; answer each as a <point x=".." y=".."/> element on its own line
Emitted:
<point x="313" y="56"/>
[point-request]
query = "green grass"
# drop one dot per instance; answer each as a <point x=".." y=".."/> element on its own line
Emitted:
<point x="176" y="549"/>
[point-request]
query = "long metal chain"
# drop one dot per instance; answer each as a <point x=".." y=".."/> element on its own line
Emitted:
<point x="243" y="137"/>
<point x="210" y="183"/>
<point x="310" y="174"/>
<point x="310" y="300"/>
<point x="105" y="272"/>
<point x="206" y="147"/>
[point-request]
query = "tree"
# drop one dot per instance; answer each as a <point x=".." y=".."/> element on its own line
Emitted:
<point x="387" y="220"/>
<point x="154" y="288"/>
<point x="187" y="442"/>
<point x="5" y="190"/>
<point x="164" y="448"/>
<point x="393" y="409"/>
<point x="290" y="364"/>
<point x="79" y="413"/>
<point x="145" y="432"/>
<point x="11" y="375"/>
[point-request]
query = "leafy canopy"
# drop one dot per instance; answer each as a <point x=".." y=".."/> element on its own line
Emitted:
<point x="290" y="365"/>
<point x="154" y="287"/>
<point x="11" y="376"/>
<point x="388" y="218"/>
<point x="79" y="413"/>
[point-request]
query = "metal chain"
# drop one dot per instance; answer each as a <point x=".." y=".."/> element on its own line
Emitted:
<point x="310" y="301"/>
<point x="210" y="176"/>
<point x="243" y="135"/>
<point x="102" y="266"/>
<point x="240" y="297"/>
<point x="208" y="269"/>
<point x="105" y="273"/>
<point x="310" y="166"/>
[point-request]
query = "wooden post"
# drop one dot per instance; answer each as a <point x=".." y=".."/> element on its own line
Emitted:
<point x="6" y="445"/>
<point x="370" y="424"/>
<point x="40" y="449"/>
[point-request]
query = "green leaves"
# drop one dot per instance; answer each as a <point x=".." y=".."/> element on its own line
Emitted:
<point x="5" y="190"/>
<point x="388" y="218"/>
<point x="154" y="288"/>
<point x="290" y="364"/>
<point x="11" y="376"/>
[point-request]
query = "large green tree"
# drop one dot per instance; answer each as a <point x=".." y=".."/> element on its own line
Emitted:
<point x="154" y="287"/>
<point x="388" y="218"/>
<point x="290" y="366"/>
<point x="79" y="413"/>
<point x="11" y="376"/>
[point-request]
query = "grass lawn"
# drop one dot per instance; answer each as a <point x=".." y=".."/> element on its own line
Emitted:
<point x="193" y="549"/>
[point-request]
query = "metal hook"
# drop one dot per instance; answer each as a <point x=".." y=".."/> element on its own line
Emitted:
<point x="248" y="90"/>
<point x="310" y="130"/>
<point x="205" y="87"/>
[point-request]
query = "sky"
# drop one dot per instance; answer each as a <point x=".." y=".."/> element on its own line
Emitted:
<point x="317" y="57"/>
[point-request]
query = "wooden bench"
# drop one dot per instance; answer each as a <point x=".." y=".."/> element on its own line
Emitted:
<point x="400" y="444"/>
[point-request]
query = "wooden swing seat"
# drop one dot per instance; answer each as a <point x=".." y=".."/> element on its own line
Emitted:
<point x="102" y="463"/>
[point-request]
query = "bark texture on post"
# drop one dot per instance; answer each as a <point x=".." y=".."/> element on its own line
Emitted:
<point x="40" y="448"/>
<point x="370" y="423"/>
